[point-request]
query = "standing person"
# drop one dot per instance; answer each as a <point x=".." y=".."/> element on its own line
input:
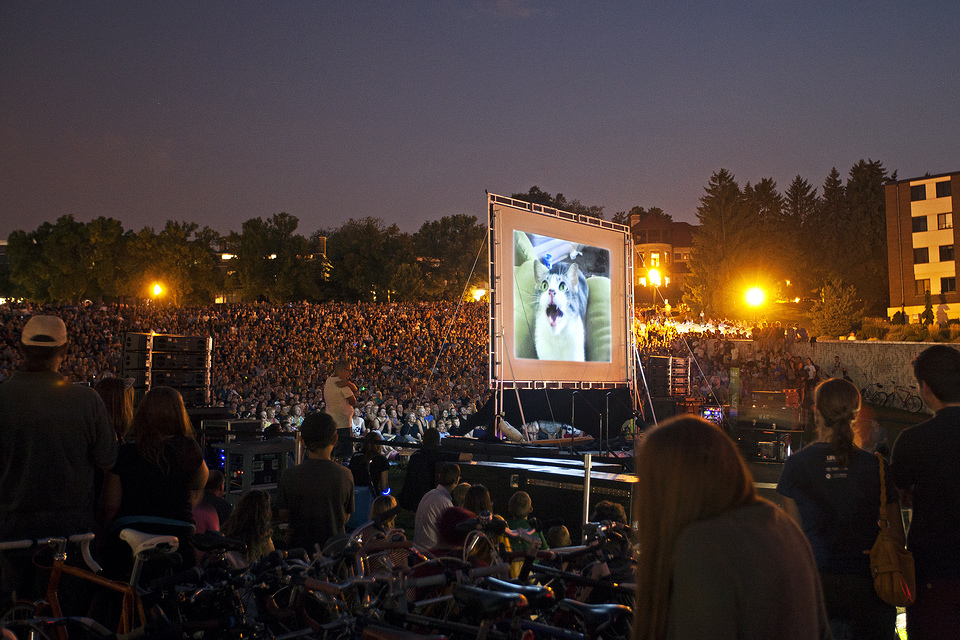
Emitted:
<point x="837" y="370"/>
<point x="370" y="470"/>
<point x="434" y="503"/>
<point x="117" y="396"/>
<point x="316" y="497"/>
<point x="716" y="560"/>
<point x="926" y="470"/>
<point x="159" y="476"/>
<point x="53" y="436"/>
<point x="832" y="488"/>
<point x="339" y="394"/>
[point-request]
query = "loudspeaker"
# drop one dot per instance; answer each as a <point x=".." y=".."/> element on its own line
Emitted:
<point x="180" y="362"/>
<point x="658" y="376"/>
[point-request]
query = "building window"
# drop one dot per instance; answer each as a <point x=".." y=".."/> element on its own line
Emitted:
<point x="655" y="259"/>
<point x="918" y="192"/>
<point x="946" y="253"/>
<point x="943" y="189"/>
<point x="922" y="286"/>
<point x="921" y="255"/>
<point x="947" y="285"/>
<point x="919" y="224"/>
<point x="686" y="256"/>
<point x="677" y="257"/>
<point x="944" y="221"/>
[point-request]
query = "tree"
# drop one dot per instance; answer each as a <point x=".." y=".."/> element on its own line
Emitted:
<point x="865" y="235"/>
<point x="837" y="311"/>
<point x="800" y="212"/>
<point x="450" y="251"/>
<point x="275" y="263"/>
<point x="723" y="248"/>
<point x="824" y="231"/>
<point x="179" y="258"/>
<point x="364" y="255"/>
<point x="108" y="255"/>
<point x="536" y="196"/>
<point x="52" y="264"/>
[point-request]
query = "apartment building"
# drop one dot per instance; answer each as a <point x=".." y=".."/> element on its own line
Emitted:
<point x="661" y="253"/>
<point x="920" y="245"/>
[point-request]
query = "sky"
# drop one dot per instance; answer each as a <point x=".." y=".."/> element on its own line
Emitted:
<point x="217" y="112"/>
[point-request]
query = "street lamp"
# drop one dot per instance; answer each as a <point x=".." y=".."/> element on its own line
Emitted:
<point x="655" y="282"/>
<point x="755" y="296"/>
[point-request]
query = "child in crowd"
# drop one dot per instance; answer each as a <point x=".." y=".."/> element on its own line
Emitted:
<point x="520" y="507"/>
<point x="558" y="537"/>
<point x="250" y="523"/>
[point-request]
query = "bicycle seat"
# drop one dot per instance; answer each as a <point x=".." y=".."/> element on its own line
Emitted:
<point x="487" y="604"/>
<point x="537" y="595"/>
<point x="594" y="615"/>
<point x="141" y="542"/>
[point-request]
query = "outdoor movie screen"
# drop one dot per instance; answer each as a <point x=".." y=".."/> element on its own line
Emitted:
<point x="559" y="308"/>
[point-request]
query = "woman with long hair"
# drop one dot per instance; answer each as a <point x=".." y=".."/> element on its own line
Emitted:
<point x="117" y="395"/>
<point x="832" y="488"/>
<point x="159" y="475"/>
<point x="250" y="523"/>
<point x="715" y="559"/>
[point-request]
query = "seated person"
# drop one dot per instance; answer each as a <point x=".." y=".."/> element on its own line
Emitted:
<point x="520" y="507"/>
<point x="434" y="503"/>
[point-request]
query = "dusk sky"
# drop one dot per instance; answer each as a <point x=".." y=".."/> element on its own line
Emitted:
<point x="217" y="112"/>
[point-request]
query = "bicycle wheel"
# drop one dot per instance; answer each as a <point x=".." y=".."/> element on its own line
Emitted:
<point x="913" y="404"/>
<point x="880" y="399"/>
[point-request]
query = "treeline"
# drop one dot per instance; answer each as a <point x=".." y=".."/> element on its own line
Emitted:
<point x="795" y="244"/>
<point x="362" y="260"/>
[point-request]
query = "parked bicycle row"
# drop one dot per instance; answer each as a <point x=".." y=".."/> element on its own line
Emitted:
<point x="372" y="584"/>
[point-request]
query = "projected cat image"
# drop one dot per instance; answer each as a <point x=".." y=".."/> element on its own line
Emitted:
<point x="563" y="295"/>
<point x="559" y="312"/>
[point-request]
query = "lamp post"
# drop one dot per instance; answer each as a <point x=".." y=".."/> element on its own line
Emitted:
<point x="655" y="282"/>
<point x="755" y="297"/>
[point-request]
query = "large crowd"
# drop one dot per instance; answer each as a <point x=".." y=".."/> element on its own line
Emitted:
<point x="413" y="362"/>
<point x="269" y="362"/>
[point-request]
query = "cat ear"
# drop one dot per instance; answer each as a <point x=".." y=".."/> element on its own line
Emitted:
<point x="539" y="270"/>
<point x="571" y="276"/>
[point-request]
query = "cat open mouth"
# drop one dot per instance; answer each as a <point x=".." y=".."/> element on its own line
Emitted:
<point x="554" y="313"/>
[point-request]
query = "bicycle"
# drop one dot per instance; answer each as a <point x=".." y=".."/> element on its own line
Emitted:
<point x="873" y="394"/>
<point x="906" y="397"/>
<point x="37" y="614"/>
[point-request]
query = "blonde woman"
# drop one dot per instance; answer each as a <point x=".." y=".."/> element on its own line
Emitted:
<point x="250" y="523"/>
<point x="832" y="488"/>
<point x="716" y="560"/>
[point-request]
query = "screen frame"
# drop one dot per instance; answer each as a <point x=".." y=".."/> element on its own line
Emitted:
<point x="506" y="370"/>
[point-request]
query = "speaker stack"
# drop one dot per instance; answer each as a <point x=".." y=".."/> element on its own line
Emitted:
<point x="181" y="362"/>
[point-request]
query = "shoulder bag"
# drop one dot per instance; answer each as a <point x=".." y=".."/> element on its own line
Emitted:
<point x="891" y="565"/>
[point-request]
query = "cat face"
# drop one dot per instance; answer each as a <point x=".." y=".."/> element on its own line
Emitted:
<point x="558" y="295"/>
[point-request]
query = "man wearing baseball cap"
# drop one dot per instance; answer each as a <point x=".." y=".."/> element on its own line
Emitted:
<point x="53" y="435"/>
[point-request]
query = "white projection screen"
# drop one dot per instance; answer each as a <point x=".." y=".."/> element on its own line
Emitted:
<point x="553" y="324"/>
